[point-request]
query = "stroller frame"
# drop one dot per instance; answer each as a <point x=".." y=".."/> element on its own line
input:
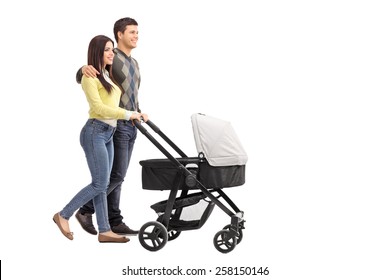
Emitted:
<point x="154" y="235"/>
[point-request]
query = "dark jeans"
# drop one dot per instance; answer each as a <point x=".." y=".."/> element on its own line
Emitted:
<point x="124" y="138"/>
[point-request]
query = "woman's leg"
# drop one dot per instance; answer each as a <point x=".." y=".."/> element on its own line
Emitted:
<point x="94" y="138"/>
<point x="100" y="201"/>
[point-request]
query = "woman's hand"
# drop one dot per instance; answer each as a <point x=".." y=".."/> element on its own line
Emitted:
<point x="136" y="116"/>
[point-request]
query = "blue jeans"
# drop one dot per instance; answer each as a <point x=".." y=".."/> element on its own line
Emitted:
<point x="96" y="138"/>
<point x="124" y="139"/>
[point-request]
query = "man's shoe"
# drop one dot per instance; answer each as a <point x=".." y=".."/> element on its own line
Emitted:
<point x="123" y="229"/>
<point x="86" y="222"/>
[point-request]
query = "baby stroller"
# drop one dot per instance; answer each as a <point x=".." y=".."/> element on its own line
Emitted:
<point x="220" y="164"/>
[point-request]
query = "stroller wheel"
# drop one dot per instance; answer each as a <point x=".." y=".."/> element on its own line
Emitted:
<point x="153" y="236"/>
<point x="239" y="237"/>
<point x="173" y="234"/>
<point x="225" y="241"/>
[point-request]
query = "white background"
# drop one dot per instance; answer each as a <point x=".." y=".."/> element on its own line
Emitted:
<point x="305" y="85"/>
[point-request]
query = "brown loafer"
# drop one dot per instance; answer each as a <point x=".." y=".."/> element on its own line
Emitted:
<point x="108" y="239"/>
<point x="67" y="234"/>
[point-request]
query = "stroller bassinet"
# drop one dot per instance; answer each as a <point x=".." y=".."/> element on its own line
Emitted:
<point x="159" y="174"/>
<point x="220" y="164"/>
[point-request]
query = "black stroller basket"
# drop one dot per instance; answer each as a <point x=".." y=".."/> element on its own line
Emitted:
<point x="188" y="211"/>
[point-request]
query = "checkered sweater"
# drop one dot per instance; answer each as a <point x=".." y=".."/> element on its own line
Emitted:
<point x="126" y="73"/>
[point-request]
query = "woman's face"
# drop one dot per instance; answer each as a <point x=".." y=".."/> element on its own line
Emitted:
<point x="108" y="55"/>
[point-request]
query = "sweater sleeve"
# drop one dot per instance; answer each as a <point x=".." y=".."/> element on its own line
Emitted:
<point x="90" y="87"/>
<point x="79" y="75"/>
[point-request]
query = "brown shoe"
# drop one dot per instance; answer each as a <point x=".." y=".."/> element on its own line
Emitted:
<point x="108" y="239"/>
<point x="67" y="234"/>
<point x="86" y="223"/>
<point x="123" y="229"/>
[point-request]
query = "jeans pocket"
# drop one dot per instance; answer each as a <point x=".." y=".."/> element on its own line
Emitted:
<point x="99" y="129"/>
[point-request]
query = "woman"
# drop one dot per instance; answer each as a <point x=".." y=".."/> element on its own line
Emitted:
<point x="103" y="96"/>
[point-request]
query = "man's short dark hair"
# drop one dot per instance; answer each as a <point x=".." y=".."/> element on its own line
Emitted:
<point x="120" y="25"/>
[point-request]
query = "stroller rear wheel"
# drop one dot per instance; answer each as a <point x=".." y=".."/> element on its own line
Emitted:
<point x="173" y="234"/>
<point x="225" y="241"/>
<point x="153" y="236"/>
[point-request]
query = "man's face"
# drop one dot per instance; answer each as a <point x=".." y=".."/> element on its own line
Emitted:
<point x="130" y="37"/>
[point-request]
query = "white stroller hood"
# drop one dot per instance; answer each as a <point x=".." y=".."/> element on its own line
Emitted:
<point x="217" y="140"/>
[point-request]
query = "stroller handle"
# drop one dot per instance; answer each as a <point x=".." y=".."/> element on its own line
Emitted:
<point x="157" y="130"/>
<point x="137" y="123"/>
<point x="149" y="122"/>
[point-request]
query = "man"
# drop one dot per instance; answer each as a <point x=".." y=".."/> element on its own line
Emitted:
<point x="126" y="73"/>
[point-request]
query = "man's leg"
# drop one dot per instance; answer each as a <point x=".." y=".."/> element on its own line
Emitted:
<point x="87" y="208"/>
<point x="124" y="139"/>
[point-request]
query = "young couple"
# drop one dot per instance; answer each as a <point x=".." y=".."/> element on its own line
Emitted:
<point x="110" y="82"/>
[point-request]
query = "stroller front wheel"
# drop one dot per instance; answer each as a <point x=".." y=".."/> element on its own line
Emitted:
<point x="224" y="241"/>
<point x="153" y="236"/>
<point x="239" y="237"/>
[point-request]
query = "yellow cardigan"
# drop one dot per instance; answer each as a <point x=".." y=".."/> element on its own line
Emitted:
<point x="103" y="105"/>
